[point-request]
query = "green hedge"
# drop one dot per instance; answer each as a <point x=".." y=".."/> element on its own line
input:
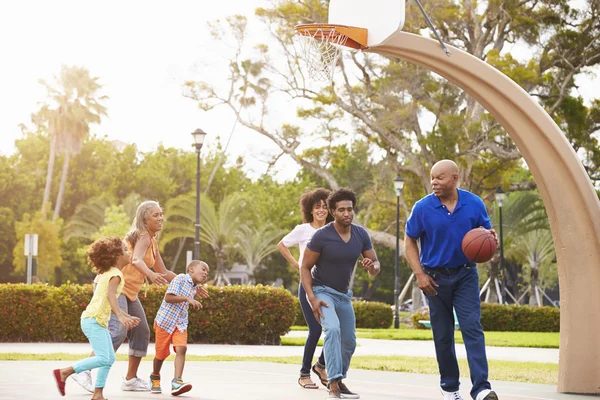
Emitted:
<point x="369" y="314"/>
<point x="232" y="314"/>
<point x="511" y="318"/>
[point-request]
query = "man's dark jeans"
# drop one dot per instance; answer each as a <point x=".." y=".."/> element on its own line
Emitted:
<point x="458" y="289"/>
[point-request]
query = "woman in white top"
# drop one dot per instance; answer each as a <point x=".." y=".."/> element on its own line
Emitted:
<point x="314" y="216"/>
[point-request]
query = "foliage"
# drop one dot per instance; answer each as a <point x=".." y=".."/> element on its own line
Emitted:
<point x="510" y="318"/>
<point x="369" y="314"/>
<point x="49" y="242"/>
<point x="7" y="242"/>
<point x="232" y="315"/>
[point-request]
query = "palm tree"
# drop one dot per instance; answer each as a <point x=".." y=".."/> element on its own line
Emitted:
<point x="522" y="212"/>
<point x="74" y="105"/>
<point x="538" y="248"/>
<point x="255" y="244"/>
<point x="89" y="217"/>
<point x="217" y="228"/>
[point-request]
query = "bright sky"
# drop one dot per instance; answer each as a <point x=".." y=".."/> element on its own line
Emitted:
<point x="142" y="51"/>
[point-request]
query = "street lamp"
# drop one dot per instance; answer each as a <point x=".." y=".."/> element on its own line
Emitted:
<point x="398" y="186"/>
<point x="198" y="136"/>
<point x="500" y="197"/>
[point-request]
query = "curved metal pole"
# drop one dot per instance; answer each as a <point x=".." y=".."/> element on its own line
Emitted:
<point x="569" y="197"/>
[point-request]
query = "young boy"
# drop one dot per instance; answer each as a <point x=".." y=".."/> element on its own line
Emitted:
<point x="170" y="324"/>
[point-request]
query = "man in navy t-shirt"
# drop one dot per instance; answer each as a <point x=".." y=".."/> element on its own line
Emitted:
<point x="334" y="250"/>
<point x="448" y="279"/>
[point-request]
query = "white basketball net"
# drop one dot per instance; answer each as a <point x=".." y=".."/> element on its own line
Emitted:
<point x="321" y="51"/>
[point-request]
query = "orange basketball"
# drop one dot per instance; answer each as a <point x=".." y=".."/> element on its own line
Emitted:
<point x="479" y="245"/>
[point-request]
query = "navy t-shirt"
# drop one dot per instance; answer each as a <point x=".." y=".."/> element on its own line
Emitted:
<point x="337" y="258"/>
<point x="441" y="232"/>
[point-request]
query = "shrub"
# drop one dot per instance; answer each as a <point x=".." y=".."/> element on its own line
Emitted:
<point x="233" y="314"/>
<point x="369" y="314"/>
<point x="419" y="316"/>
<point x="510" y="318"/>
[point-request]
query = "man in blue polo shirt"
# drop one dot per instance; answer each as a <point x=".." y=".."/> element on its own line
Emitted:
<point x="448" y="279"/>
<point x="333" y="251"/>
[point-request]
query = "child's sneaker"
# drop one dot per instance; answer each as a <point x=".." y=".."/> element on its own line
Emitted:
<point x="155" y="384"/>
<point x="178" y="386"/>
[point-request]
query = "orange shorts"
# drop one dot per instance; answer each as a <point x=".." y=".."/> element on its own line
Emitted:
<point x="163" y="339"/>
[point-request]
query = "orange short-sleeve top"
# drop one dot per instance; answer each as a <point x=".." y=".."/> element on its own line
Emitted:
<point x="134" y="279"/>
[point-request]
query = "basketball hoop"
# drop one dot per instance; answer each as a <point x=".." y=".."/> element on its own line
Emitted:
<point x="322" y="45"/>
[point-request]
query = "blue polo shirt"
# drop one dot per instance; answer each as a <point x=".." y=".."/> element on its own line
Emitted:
<point x="441" y="232"/>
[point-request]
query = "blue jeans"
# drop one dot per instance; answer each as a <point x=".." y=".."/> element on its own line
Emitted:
<point x="339" y="324"/>
<point x="102" y="345"/>
<point x="314" y="333"/>
<point x="458" y="289"/>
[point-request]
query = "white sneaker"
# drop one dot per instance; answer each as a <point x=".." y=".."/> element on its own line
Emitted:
<point x="452" y="395"/>
<point x="84" y="379"/>
<point x="487" y="394"/>
<point x="135" y="385"/>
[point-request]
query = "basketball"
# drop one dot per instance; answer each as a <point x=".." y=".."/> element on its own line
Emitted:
<point x="479" y="245"/>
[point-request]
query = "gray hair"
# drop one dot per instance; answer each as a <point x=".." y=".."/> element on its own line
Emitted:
<point x="138" y="226"/>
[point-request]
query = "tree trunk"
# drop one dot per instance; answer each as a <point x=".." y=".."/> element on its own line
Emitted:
<point x="221" y="278"/>
<point x="49" y="171"/>
<point x="417" y="297"/>
<point x="63" y="183"/>
<point x="492" y="268"/>
<point x="533" y="279"/>
<point x="179" y="250"/>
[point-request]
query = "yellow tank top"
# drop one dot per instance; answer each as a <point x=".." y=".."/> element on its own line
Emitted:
<point x="134" y="279"/>
<point x="99" y="307"/>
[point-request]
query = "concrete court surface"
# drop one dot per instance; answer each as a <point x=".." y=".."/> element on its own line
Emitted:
<point x="250" y="381"/>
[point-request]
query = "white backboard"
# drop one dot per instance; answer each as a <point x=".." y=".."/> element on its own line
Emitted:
<point x="381" y="17"/>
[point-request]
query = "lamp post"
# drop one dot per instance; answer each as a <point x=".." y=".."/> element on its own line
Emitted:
<point x="398" y="186"/>
<point x="198" y="136"/>
<point x="500" y="197"/>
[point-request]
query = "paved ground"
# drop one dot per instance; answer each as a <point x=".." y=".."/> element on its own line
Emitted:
<point x="251" y="381"/>
<point x="264" y="381"/>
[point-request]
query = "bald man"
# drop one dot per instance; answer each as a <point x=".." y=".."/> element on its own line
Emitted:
<point x="449" y="280"/>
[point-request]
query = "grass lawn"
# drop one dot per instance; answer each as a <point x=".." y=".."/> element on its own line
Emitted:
<point x="501" y="339"/>
<point x="499" y="370"/>
<point x="296" y="341"/>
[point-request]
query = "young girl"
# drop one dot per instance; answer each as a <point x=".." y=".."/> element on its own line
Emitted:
<point x="108" y="256"/>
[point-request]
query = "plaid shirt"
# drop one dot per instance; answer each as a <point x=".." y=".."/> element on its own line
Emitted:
<point x="175" y="315"/>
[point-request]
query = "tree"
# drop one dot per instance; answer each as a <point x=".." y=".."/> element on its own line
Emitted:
<point x="217" y="227"/>
<point x="538" y="249"/>
<point x="522" y="213"/>
<point x="256" y="243"/>
<point x="7" y="242"/>
<point x="73" y="104"/>
<point x="386" y="99"/>
<point x="88" y="219"/>
<point x="49" y="256"/>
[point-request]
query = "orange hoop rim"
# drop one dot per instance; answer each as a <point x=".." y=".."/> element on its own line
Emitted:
<point x="357" y="37"/>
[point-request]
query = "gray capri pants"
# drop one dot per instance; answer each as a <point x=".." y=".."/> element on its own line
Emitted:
<point x="138" y="337"/>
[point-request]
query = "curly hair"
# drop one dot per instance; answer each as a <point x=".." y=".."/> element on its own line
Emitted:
<point x="104" y="252"/>
<point x="308" y="201"/>
<point x="340" y="195"/>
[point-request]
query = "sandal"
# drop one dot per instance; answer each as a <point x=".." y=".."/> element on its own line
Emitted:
<point x="310" y="385"/>
<point x="321" y="373"/>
